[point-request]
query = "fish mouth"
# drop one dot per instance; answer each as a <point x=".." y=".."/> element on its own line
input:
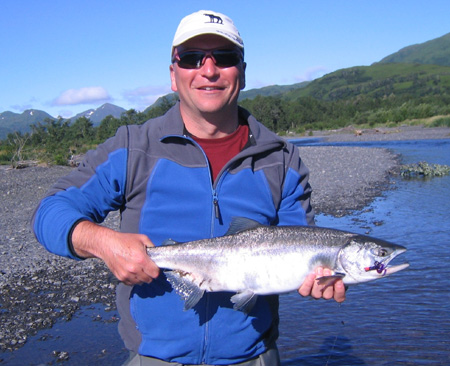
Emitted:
<point x="392" y="269"/>
<point x="383" y="269"/>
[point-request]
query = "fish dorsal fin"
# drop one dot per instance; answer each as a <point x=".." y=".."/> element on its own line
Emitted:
<point x="244" y="301"/>
<point x="185" y="288"/>
<point x="239" y="224"/>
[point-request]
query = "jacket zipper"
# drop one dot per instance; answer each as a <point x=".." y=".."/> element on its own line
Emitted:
<point x="216" y="205"/>
<point x="217" y="216"/>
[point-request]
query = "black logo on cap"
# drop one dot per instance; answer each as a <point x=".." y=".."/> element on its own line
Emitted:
<point x="214" y="18"/>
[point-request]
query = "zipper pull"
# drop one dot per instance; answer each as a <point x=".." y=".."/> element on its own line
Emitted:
<point x="216" y="206"/>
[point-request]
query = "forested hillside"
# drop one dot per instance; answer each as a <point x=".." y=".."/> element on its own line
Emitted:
<point x="378" y="94"/>
<point x="434" y="52"/>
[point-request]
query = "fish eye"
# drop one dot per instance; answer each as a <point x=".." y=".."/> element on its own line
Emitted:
<point x="380" y="252"/>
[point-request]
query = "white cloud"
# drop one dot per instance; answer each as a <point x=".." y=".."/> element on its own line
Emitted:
<point x="82" y="96"/>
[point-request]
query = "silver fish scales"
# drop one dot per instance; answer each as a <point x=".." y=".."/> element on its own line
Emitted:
<point x="252" y="260"/>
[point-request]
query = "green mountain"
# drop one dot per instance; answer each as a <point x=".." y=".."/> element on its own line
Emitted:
<point x="161" y="101"/>
<point x="96" y="116"/>
<point x="434" y="52"/>
<point x="20" y="122"/>
<point x="414" y="71"/>
<point x="378" y="81"/>
<point x="271" y="90"/>
<point x="364" y="95"/>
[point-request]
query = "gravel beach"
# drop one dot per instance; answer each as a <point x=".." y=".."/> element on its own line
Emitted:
<point x="37" y="288"/>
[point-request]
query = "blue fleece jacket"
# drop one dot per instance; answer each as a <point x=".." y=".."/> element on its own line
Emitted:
<point x="159" y="178"/>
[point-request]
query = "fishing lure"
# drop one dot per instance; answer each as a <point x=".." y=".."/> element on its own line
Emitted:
<point x="378" y="266"/>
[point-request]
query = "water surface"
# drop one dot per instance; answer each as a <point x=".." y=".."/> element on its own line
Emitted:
<point x="399" y="320"/>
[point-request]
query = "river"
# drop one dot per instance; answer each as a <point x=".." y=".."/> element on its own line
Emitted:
<point x="400" y="320"/>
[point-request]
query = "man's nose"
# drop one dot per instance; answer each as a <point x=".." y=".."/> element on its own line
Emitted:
<point x="209" y="67"/>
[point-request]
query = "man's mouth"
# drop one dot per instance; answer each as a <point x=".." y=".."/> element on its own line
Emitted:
<point x="210" y="88"/>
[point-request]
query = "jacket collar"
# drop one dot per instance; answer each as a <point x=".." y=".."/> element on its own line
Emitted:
<point x="260" y="136"/>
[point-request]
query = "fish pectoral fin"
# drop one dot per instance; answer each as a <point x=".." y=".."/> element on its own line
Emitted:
<point x="330" y="280"/>
<point x="184" y="287"/>
<point x="244" y="301"/>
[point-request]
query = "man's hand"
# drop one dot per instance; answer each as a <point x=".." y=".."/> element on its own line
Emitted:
<point x="124" y="254"/>
<point x="310" y="287"/>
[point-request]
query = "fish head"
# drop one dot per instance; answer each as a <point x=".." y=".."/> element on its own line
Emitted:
<point x="365" y="259"/>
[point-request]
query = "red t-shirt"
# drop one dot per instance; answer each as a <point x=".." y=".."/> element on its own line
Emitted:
<point x="220" y="151"/>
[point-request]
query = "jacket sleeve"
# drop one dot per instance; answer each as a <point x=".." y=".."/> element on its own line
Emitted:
<point x="90" y="192"/>
<point x="295" y="206"/>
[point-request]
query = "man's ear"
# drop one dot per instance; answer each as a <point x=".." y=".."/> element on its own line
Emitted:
<point x="173" y="82"/>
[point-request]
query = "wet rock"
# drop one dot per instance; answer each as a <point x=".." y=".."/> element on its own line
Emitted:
<point x="424" y="170"/>
<point x="61" y="356"/>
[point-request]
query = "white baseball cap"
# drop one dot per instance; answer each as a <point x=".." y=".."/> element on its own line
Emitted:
<point x="206" y="22"/>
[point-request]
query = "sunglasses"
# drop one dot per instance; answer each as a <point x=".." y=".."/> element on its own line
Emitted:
<point x="194" y="59"/>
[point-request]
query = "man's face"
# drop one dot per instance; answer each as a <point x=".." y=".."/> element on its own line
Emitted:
<point x="208" y="89"/>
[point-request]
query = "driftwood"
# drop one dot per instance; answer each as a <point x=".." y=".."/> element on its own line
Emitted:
<point x="21" y="164"/>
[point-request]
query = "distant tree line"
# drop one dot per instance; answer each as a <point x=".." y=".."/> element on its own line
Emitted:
<point x="308" y="113"/>
<point x="56" y="141"/>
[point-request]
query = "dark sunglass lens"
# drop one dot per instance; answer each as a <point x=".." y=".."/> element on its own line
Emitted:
<point x="194" y="59"/>
<point x="190" y="60"/>
<point x="225" y="58"/>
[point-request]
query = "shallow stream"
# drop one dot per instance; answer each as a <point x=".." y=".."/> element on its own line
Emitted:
<point x="399" y="320"/>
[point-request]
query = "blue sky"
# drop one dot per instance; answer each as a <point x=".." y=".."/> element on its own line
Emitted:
<point x="66" y="56"/>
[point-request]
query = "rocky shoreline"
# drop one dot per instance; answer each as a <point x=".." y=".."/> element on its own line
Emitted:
<point x="37" y="288"/>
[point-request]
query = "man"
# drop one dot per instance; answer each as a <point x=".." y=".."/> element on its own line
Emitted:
<point x="184" y="176"/>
